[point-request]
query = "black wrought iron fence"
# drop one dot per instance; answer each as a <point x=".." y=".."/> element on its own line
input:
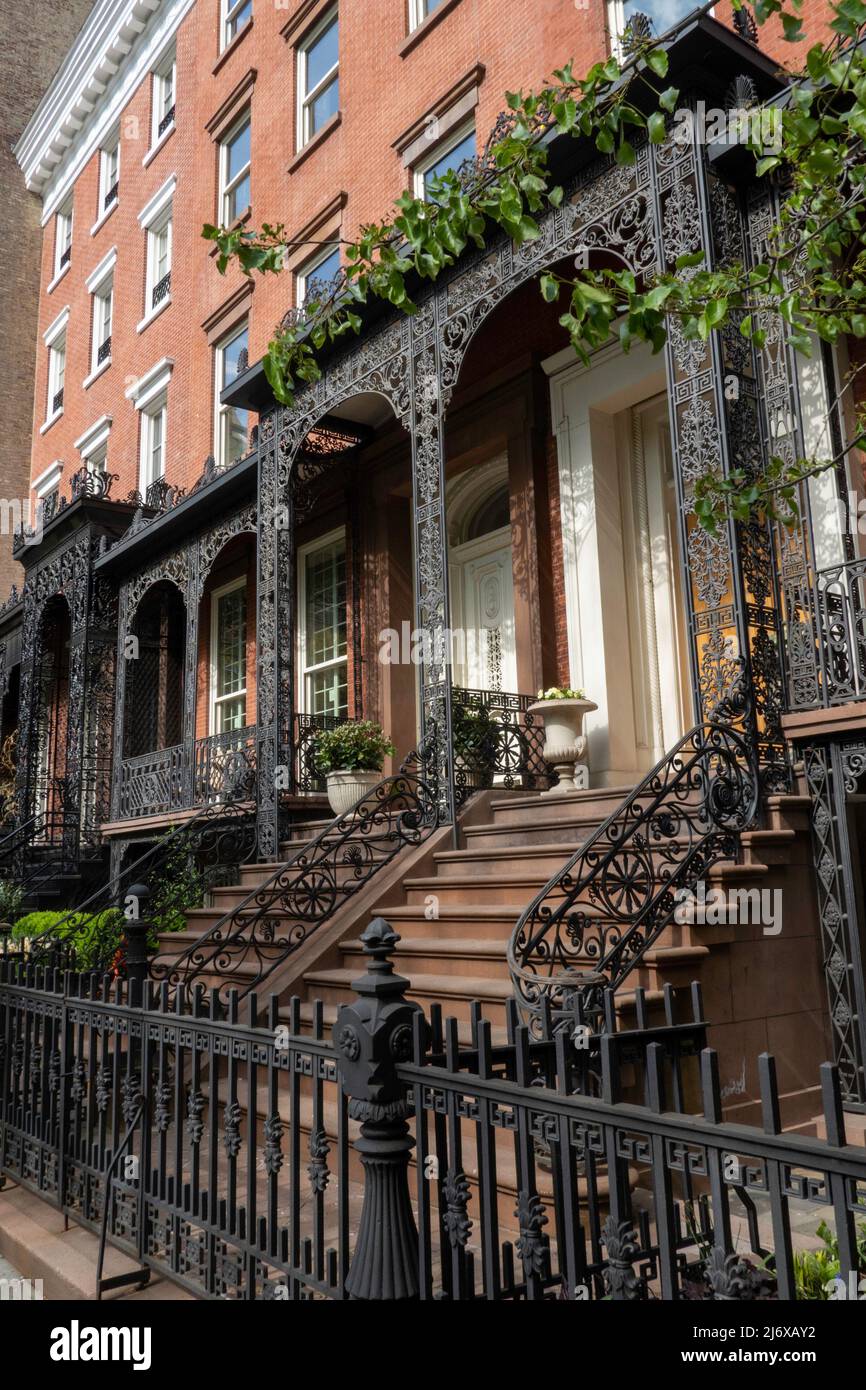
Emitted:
<point x="401" y="1159"/>
<point x="496" y="742"/>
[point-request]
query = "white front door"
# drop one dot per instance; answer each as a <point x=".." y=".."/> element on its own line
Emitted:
<point x="482" y="606"/>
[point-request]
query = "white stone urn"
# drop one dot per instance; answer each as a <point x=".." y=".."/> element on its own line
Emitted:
<point x="347" y="786"/>
<point x="564" y="740"/>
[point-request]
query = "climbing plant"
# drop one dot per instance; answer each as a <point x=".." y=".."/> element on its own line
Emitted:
<point x="813" y="277"/>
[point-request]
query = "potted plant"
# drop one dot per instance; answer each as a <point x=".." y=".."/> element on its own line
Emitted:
<point x="562" y="710"/>
<point x="475" y="738"/>
<point x="350" y="757"/>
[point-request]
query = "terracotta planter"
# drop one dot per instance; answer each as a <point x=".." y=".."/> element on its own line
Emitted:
<point x="347" y="787"/>
<point x="564" y="739"/>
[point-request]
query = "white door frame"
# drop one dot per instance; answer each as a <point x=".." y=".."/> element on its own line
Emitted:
<point x="459" y="557"/>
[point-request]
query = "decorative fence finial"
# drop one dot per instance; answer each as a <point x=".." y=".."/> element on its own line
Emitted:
<point x="371" y="1036"/>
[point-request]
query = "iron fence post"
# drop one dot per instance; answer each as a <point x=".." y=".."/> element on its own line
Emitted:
<point x="135" y="931"/>
<point x="371" y="1037"/>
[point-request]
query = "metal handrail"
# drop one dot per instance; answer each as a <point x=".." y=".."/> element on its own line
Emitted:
<point x="278" y="916"/>
<point x="594" y="920"/>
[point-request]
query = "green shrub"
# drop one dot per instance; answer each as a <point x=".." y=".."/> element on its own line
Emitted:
<point x="475" y="736"/>
<point x="93" y="936"/>
<point x="356" y="746"/>
<point x="180" y="887"/>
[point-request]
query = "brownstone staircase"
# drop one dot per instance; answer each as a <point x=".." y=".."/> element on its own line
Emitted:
<point x="455" y="910"/>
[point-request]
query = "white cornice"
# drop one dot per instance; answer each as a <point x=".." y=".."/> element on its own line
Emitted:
<point x="158" y="203"/>
<point x="119" y="44"/>
<point x="151" y="384"/>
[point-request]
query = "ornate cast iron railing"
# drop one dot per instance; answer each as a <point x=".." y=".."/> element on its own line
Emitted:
<point x="219" y="767"/>
<point x="839" y="637"/>
<point x="496" y="742"/>
<point x="104" y="351"/>
<point x="167" y="120"/>
<point x="215" y="844"/>
<point x="161" y="290"/>
<point x="247" y="944"/>
<point x="593" y="921"/>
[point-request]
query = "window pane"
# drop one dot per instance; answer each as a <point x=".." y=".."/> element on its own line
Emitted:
<point x="326" y="605"/>
<point x="324" y="106"/>
<point x="231" y="714"/>
<point x="322" y="55"/>
<point x="239" y="199"/>
<point x="661" y="13"/>
<point x="235" y="433"/>
<point x="238" y="16"/>
<point x="452" y="159"/>
<point x="325" y="270"/>
<point x="231" y="643"/>
<point x="238" y="152"/>
<point x="230" y="354"/>
<point x="327" y="692"/>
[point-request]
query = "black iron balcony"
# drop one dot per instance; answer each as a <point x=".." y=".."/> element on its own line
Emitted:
<point x="66" y="257"/>
<point x="103" y="351"/>
<point x="161" y="290"/>
<point x="57" y="402"/>
<point x="167" y="120"/>
<point x="111" y="195"/>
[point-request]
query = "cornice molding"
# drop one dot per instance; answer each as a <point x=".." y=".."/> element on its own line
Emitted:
<point x="118" y="45"/>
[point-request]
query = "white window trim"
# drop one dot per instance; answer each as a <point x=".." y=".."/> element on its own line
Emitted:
<point x="305" y="98"/>
<point x="214" y="700"/>
<point x="108" y="148"/>
<point x="153" y="382"/>
<point x="94" y="440"/>
<point x="158" y="210"/>
<point x="97" y="282"/>
<point x="243" y="325"/>
<point x="66" y="212"/>
<point x="167" y="65"/>
<point x="48" y="480"/>
<point x="227" y="7"/>
<point x="156" y="406"/>
<point x="225" y="188"/>
<point x="158" y="203"/>
<point x="51" y="337"/>
<point x="308" y="271"/>
<point x="449" y="142"/>
<point x="304" y="551"/>
<point x="417" y="14"/>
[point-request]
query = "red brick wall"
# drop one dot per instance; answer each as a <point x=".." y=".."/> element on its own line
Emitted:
<point x="381" y="94"/>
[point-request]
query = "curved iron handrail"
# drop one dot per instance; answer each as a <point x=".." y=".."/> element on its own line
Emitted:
<point x="590" y="925"/>
<point x="217" y="832"/>
<point x="277" y="916"/>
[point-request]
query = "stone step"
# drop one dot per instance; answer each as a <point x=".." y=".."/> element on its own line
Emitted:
<point x="482" y="861"/>
<point x="534" y="807"/>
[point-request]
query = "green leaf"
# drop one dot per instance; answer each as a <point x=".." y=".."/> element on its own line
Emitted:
<point x="657" y="128"/>
<point x="669" y="98"/>
<point x="657" y="59"/>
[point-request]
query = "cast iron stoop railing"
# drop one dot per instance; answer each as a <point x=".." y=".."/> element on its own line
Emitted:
<point x="592" y="923"/>
<point x="277" y="916"/>
<point x="215" y="843"/>
<point x="127" y="1110"/>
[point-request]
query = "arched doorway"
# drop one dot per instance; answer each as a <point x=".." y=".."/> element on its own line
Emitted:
<point x="153" y="718"/>
<point x="52" y="718"/>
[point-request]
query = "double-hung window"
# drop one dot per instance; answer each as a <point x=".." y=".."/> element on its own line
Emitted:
<point x="318" y="78"/>
<point x="153" y="430"/>
<point x="155" y="219"/>
<point x="229" y="657"/>
<point x="63" y="238"/>
<point x="164" y="83"/>
<point x="449" y="155"/>
<point x="317" y="271"/>
<point x="235" y="14"/>
<point x="235" y="171"/>
<point x="109" y="173"/>
<point x="100" y="283"/>
<point x="232" y="424"/>
<point x="419" y="10"/>
<point x="322" y="591"/>
<point x="56" y="375"/>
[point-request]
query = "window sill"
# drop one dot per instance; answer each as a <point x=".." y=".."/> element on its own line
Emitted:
<point x="97" y="372"/>
<point x="423" y="29"/>
<point x="315" y="141"/>
<point x="103" y="218"/>
<point x="230" y="47"/>
<point x="49" y="288"/>
<point x="52" y="420"/>
<point x="154" y="314"/>
<point x="157" y="146"/>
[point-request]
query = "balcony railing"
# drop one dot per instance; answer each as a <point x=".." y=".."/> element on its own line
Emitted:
<point x="497" y="742"/>
<point x="111" y="195"/>
<point x="57" y="401"/>
<point x="826" y="646"/>
<point x="66" y="257"/>
<point x="103" y="351"/>
<point x="167" y="120"/>
<point x="161" y="290"/>
<point x="218" y="767"/>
